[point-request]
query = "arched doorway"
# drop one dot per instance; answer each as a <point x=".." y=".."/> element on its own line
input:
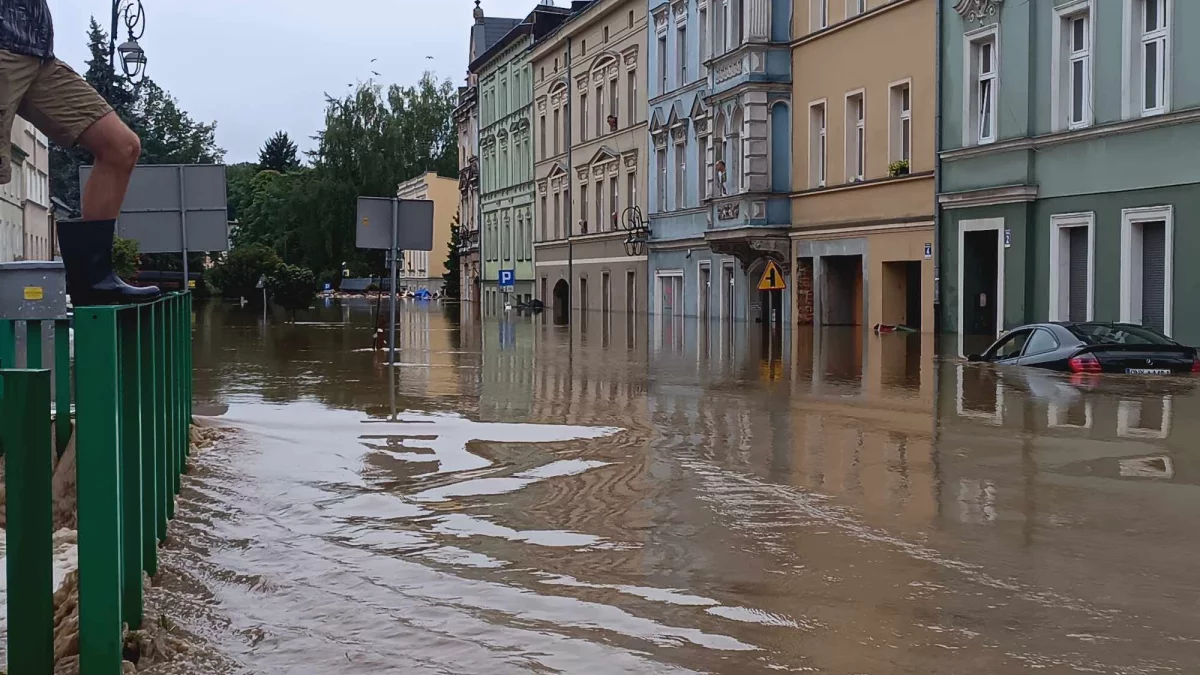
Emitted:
<point x="562" y="303"/>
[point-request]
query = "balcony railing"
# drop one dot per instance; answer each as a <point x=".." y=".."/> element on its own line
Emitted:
<point x="132" y="410"/>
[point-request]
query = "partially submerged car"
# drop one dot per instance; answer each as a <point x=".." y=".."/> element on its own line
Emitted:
<point x="1092" y="347"/>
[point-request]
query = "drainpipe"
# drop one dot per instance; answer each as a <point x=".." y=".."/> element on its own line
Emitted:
<point x="937" y="167"/>
<point x="570" y="187"/>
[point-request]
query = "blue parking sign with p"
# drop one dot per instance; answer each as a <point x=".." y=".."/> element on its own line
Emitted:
<point x="507" y="279"/>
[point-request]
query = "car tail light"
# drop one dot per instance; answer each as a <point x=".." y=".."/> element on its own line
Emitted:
<point x="1084" y="363"/>
<point x="1196" y="363"/>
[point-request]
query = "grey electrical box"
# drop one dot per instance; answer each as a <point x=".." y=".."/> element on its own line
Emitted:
<point x="33" y="291"/>
<point x="414" y="224"/>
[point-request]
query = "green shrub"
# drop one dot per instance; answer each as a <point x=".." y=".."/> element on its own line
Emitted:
<point x="237" y="275"/>
<point x="125" y="257"/>
<point x="293" y="288"/>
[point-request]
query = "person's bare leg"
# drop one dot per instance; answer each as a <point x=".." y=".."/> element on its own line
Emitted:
<point x="116" y="149"/>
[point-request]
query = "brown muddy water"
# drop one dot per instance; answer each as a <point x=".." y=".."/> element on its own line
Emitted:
<point x="665" y="499"/>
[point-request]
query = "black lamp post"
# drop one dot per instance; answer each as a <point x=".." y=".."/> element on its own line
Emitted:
<point x="133" y="58"/>
<point x="638" y="231"/>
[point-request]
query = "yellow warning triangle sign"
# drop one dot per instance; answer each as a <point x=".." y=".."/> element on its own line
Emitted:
<point x="772" y="278"/>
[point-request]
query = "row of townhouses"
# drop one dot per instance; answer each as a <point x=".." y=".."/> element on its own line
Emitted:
<point x="957" y="165"/>
<point x="26" y="230"/>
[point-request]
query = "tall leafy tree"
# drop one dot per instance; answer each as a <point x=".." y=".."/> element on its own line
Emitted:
<point x="278" y="154"/>
<point x="453" y="277"/>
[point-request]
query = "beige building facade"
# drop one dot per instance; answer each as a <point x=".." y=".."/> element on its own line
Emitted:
<point x="426" y="269"/>
<point x="864" y="159"/>
<point x="25" y="223"/>
<point x="590" y="139"/>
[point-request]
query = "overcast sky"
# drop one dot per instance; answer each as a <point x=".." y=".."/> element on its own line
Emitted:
<point x="257" y="66"/>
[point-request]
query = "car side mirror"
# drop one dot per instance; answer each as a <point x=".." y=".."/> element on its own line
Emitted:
<point x="975" y="358"/>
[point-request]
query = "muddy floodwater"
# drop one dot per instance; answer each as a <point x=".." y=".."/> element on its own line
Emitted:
<point x="661" y="497"/>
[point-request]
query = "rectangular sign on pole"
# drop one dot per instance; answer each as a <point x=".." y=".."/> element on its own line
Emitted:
<point x="507" y="280"/>
<point x="172" y="207"/>
<point x="414" y="221"/>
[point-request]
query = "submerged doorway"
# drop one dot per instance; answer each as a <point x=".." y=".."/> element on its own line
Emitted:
<point x="902" y="293"/>
<point x="842" y="296"/>
<point x="980" y="275"/>
<point x="562" y="303"/>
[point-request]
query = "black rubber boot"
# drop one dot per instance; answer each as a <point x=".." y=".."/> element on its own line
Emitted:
<point x="86" y="247"/>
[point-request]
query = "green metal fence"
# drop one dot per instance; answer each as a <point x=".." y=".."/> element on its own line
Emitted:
<point x="132" y="407"/>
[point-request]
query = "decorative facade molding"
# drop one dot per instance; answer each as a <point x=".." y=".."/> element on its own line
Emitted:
<point x="729" y="210"/>
<point x="978" y="10"/>
<point x="661" y="19"/>
<point x="542" y="185"/>
<point x="1008" y="194"/>
<point x="631" y="159"/>
<point x="630" y="56"/>
<point x="679" y="9"/>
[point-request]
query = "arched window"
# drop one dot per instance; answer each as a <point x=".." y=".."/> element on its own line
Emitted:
<point x="737" y="178"/>
<point x="781" y="147"/>
<point x="720" y="172"/>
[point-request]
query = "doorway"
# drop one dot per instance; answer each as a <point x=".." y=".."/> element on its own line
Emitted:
<point x="562" y="303"/>
<point x="842" y="300"/>
<point x="979" y="267"/>
<point x="902" y="293"/>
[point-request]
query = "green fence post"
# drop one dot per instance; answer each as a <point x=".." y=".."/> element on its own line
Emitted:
<point x="25" y="437"/>
<point x="98" y="451"/>
<point x="33" y="345"/>
<point x="8" y="343"/>
<point x="163" y="423"/>
<point x="131" y="466"/>
<point x="181" y="431"/>
<point x="62" y="385"/>
<point x="149" y="441"/>
<point x="189" y="400"/>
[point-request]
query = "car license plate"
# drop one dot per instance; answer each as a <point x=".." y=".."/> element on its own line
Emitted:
<point x="1148" y="371"/>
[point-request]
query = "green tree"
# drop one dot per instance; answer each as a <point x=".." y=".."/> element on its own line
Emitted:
<point x="452" y="277"/>
<point x="278" y="154"/>
<point x="238" y="274"/>
<point x="292" y="287"/>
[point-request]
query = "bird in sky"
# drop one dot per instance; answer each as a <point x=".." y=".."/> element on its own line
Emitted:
<point x="376" y="73"/>
<point x="429" y="58"/>
<point x="374" y="60"/>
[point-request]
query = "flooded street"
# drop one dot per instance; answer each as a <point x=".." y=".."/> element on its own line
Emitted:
<point x="668" y="499"/>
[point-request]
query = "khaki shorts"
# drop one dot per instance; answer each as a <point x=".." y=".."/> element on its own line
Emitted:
<point x="50" y="95"/>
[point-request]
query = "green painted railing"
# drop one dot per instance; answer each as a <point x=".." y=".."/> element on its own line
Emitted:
<point x="132" y="417"/>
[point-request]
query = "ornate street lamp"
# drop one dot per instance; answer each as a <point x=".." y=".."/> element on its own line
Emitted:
<point x="638" y="231"/>
<point x="133" y="58"/>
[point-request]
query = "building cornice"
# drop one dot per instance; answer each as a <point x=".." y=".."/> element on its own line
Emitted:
<point x="874" y="182"/>
<point x="1076" y="136"/>
<point x="1007" y="194"/>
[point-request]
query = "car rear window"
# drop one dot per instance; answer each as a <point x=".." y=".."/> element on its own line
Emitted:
<point x="1117" y="334"/>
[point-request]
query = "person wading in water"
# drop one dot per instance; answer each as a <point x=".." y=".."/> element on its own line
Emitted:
<point x="45" y="91"/>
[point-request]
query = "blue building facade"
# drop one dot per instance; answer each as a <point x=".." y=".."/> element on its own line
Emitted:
<point x="720" y="160"/>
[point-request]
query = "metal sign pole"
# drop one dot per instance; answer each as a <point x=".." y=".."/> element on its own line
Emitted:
<point x="392" y="319"/>
<point x="183" y="227"/>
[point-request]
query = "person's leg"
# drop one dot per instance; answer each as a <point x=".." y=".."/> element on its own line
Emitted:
<point x="116" y="149"/>
<point x="17" y="73"/>
<point x="66" y="108"/>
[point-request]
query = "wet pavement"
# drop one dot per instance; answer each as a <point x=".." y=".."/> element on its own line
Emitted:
<point x="624" y="498"/>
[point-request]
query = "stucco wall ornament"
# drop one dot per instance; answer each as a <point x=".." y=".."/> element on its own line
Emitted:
<point x="978" y="10"/>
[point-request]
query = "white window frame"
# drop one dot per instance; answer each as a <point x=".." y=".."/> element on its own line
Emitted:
<point x="681" y="149"/>
<point x="818" y="151"/>
<point x="971" y="116"/>
<point x="1060" y="226"/>
<point x="996" y="417"/>
<point x="982" y="225"/>
<point x="1057" y="413"/>
<point x="856" y="135"/>
<point x="1131" y="261"/>
<point x="1062" y="59"/>
<point x="704" y="37"/>
<point x="1129" y="413"/>
<point x="897" y="116"/>
<point x="818" y="15"/>
<point x="855" y="7"/>
<point x="700" y="265"/>
<point x="1134" y="40"/>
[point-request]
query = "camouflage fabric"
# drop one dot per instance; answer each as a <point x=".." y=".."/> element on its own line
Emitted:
<point x="26" y="28"/>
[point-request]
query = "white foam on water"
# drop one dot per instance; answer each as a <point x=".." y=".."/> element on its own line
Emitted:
<point x="65" y="561"/>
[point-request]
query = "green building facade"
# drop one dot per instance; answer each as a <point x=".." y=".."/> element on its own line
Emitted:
<point x="506" y="157"/>
<point x="1068" y="184"/>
